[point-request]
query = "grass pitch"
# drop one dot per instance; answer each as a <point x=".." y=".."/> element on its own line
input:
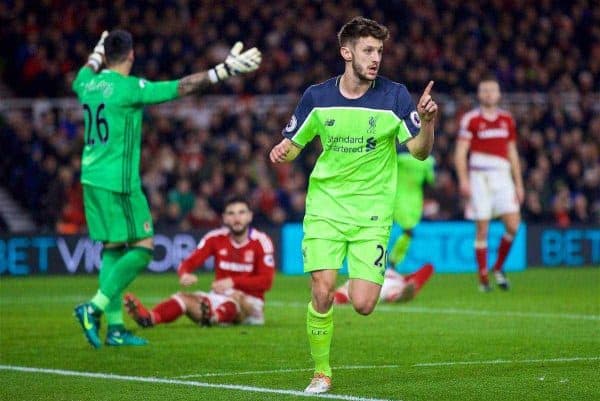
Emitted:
<point x="539" y="341"/>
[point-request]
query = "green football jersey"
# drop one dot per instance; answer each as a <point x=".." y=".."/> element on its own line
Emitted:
<point x="112" y="110"/>
<point x="354" y="178"/>
<point x="413" y="173"/>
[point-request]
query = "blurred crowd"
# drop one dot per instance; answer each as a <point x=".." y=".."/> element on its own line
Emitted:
<point x="532" y="45"/>
<point x="187" y="170"/>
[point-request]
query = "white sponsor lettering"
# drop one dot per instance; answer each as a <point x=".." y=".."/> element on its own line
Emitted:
<point x="236" y="267"/>
<point x="493" y="133"/>
<point x="85" y="250"/>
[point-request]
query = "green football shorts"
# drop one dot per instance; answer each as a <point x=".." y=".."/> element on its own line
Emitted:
<point x="327" y="243"/>
<point x="117" y="217"/>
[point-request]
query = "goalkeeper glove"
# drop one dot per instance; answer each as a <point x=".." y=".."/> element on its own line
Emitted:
<point x="97" y="57"/>
<point x="236" y="63"/>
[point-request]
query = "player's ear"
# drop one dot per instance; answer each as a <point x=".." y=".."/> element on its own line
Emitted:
<point x="346" y="53"/>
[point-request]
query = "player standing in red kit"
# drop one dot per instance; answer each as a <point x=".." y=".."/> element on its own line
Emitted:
<point x="491" y="180"/>
<point x="244" y="270"/>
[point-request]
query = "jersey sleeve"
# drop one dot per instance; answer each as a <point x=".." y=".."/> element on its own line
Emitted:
<point x="264" y="270"/>
<point x="410" y="123"/>
<point x="302" y="127"/>
<point x="147" y="92"/>
<point x="84" y="74"/>
<point x="197" y="258"/>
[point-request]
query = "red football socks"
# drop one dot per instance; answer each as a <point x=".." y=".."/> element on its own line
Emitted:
<point x="503" y="251"/>
<point x="167" y="311"/>
<point x="481" y="256"/>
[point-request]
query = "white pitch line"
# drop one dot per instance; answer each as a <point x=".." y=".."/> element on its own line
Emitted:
<point x="418" y="365"/>
<point x="454" y="311"/>
<point x="506" y="361"/>
<point x="159" y="380"/>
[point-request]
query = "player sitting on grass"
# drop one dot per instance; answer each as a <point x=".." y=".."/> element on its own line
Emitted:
<point x="395" y="288"/>
<point x="244" y="269"/>
<point x="204" y="308"/>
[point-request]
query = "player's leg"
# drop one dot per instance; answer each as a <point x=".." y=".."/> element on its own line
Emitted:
<point x="505" y="205"/>
<point x="479" y="209"/>
<point x="417" y="280"/>
<point x="322" y="258"/>
<point x="400" y="247"/>
<point x="252" y="309"/>
<point x="408" y="207"/>
<point x="97" y="216"/>
<point x="112" y="312"/>
<point x="511" y="224"/>
<point x="366" y="265"/>
<point x="481" y="252"/>
<point x="130" y="219"/>
<point x="340" y="296"/>
<point x="364" y="295"/>
<point x="394" y="287"/>
<point x="319" y="328"/>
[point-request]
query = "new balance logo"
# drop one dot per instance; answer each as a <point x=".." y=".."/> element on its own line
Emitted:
<point x="329" y="122"/>
<point x="371" y="144"/>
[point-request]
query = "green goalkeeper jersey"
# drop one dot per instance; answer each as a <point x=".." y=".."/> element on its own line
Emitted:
<point x="354" y="178"/>
<point x="112" y="109"/>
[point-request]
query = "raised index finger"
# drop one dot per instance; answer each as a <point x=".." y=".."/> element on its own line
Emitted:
<point x="428" y="88"/>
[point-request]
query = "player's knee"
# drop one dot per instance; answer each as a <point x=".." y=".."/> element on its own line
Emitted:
<point x="363" y="304"/>
<point x="322" y="297"/>
<point x="364" y="307"/>
<point x="513" y="227"/>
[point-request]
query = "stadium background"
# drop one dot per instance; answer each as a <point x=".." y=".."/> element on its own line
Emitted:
<point x="538" y="341"/>
<point x="198" y="150"/>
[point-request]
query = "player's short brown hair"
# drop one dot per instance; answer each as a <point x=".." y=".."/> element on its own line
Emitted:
<point x="117" y="46"/>
<point x="489" y="77"/>
<point x="361" y="27"/>
<point x="235" y="199"/>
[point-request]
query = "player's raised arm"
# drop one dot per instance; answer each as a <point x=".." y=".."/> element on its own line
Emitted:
<point x="96" y="58"/>
<point x="236" y="63"/>
<point x="420" y="146"/>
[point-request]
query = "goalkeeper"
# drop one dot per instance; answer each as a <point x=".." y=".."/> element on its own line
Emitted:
<point x="116" y="209"/>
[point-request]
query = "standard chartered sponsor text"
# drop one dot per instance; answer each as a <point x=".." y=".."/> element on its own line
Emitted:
<point x="340" y="144"/>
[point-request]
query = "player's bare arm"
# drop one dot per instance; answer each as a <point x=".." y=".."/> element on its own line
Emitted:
<point x="515" y="168"/>
<point x="420" y="146"/>
<point x="236" y="63"/>
<point x="193" y="83"/>
<point x="284" y="151"/>
<point x="460" y="162"/>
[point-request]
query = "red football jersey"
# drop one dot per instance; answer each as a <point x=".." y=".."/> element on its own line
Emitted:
<point x="250" y="265"/>
<point x="489" y="138"/>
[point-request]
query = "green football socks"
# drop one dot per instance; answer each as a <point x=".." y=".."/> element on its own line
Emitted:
<point x="119" y="272"/>
<point x="400" y="249"/>
<point x="319" y="327"/>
